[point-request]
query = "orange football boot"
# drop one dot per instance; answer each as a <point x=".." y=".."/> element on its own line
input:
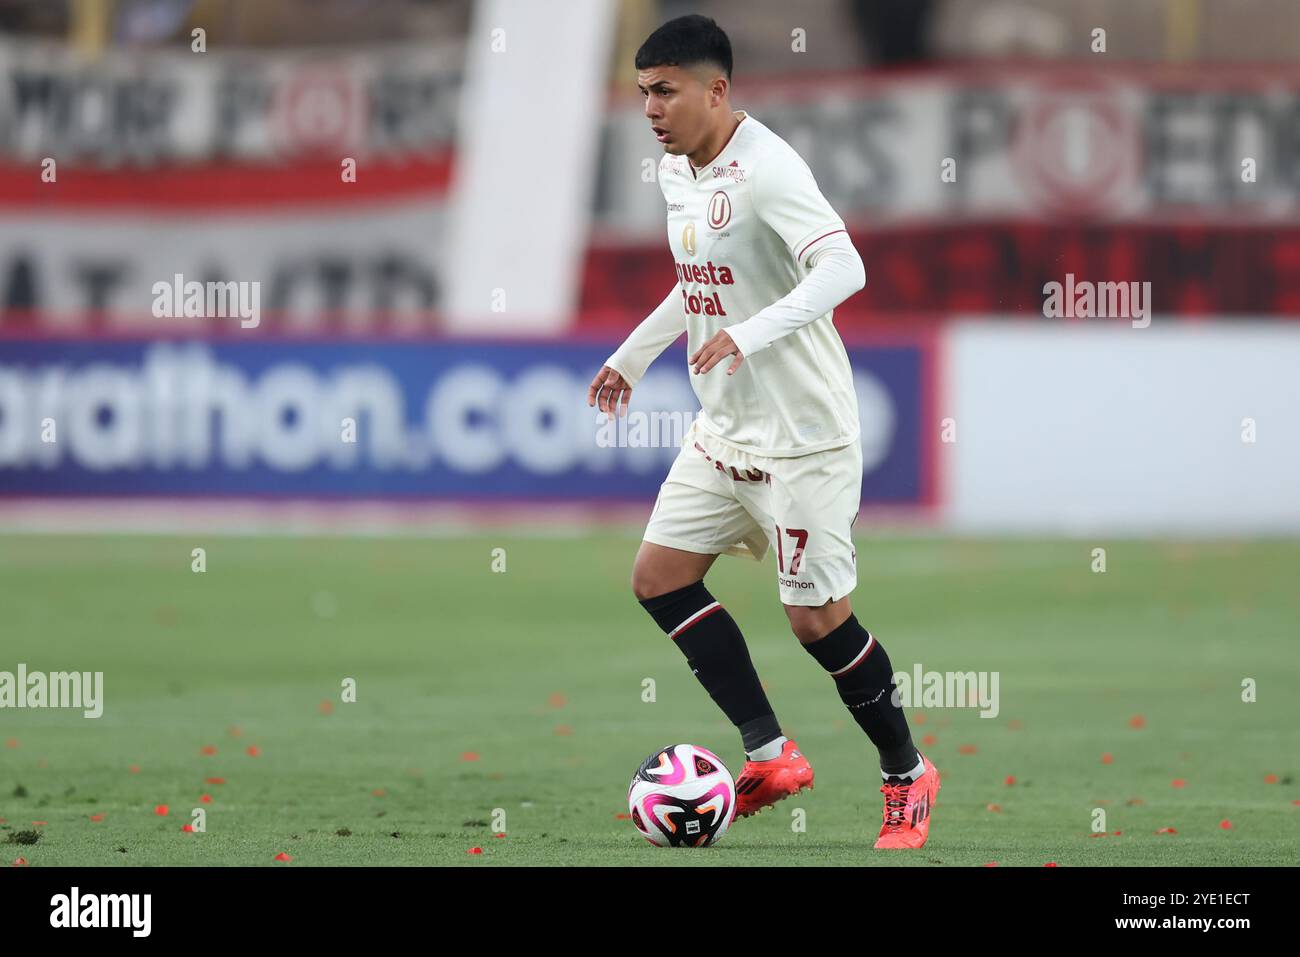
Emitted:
<point x="762" y="783"/>
<point x="906" y="817"/>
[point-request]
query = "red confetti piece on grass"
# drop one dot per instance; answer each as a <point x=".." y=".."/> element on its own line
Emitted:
<point x="622" y="817"/>
<point x="20" y="862"/>
<point x="1137" y="721"/>
<point x="1270" y="779"/>
<point x="1167" y="830"/>
<point x="919" y="718"/>
<point x="995" y="808"/>
<point x="929" y="740"/>
<point x="498" y="835"/>
<point x="214" y="780"/>
<point x="1108" y="758"/>
<point x="40" y="823"/>
<point x="378" y="792"/>
<point x="208" y="749"/>
<point x="134" y="769"/>
<point x="475" y="850"/>
<point x="1050" y="864"/>
<point x="205" y="798"/>
<point x="11" y="742"/>
<point x="97" y="818"/>
<point x="188" y="828"/>
<point x="1177" y="783"/>
<point x="162" y="810"/>
<point x="1226" y="825"/>
<point x="326" y="707"/>
<point x="253" y="751"/>
<point x="991" y="864"/>
<point x="557" y="700"/>
<point x="235" y="732"/>
<point x="282" y="856"/>
<point x="1297" y="801"/>
<point x="1117" y="833"/>
<point x="966" y="749"/>
<point x="1015" y="724"/>
<point x="563" y="730"/>
<point x="469" y="755"/>
<point x="1010" y="780"/>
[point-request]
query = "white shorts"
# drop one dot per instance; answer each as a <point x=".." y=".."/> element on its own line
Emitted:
<point x="720" y="500"/>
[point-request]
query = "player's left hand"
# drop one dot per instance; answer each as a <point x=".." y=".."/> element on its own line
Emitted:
<point x="714" y="351"/>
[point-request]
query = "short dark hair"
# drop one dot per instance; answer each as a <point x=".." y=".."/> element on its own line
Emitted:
<point x="685" y="42"/>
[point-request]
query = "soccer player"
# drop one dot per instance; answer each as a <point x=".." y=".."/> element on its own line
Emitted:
<point x="774" y="459"/>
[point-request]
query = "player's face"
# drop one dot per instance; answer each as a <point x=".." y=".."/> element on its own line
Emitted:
<point x="677" y="104"/>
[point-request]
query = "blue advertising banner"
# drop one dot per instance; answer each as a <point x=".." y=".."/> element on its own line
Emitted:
<point x="441" y="419"/>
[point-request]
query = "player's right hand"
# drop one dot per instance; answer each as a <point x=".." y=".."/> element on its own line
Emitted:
<point x="610" y="392"/>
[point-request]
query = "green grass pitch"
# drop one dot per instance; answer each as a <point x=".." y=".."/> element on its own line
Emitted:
<point x="522" y="691"/>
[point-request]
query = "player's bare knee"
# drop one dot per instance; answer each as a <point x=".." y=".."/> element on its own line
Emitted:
<point x="647" y="582"/>
<point x="807" y="632"/>
<point x="642" y="586"/>
<point x="812" y="623"/>
<point x="806" y="625"/>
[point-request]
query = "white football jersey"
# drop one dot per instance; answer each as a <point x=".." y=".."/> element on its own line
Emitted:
<point x="741" y="231"/>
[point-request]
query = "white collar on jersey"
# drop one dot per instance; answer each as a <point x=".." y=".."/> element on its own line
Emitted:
<point x="699" y="169"/>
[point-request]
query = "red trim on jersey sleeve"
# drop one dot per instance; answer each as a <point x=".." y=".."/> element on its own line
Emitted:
<point x="819" y="239"/>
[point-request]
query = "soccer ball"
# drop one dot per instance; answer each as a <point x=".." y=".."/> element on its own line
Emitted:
<point x="682" y="796"/>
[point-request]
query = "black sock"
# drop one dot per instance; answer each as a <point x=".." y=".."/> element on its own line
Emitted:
<point x="865" y="680"/>
<point x="715" y="649"/>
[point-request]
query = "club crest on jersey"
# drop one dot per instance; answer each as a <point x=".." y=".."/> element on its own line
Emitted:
<point x="719" y="210"/>
<point x="688" y="238"/>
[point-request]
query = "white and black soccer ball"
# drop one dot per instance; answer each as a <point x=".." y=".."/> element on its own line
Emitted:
<point x="682" y="796"/>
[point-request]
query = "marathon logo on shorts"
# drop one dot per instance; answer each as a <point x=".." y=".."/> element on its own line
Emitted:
<point x="751" y="475"/>
<point x="795" y="583"/>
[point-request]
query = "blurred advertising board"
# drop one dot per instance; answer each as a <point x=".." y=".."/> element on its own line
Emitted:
<point x="321" y="175"/>
<point x="451" y="419"/>
<point x="968" y="188"/>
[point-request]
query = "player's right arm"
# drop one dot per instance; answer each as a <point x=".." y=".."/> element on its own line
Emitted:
<point x="611" y="390"/>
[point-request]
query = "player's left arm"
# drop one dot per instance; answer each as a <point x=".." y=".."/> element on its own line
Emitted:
<point x="786" y="197"/>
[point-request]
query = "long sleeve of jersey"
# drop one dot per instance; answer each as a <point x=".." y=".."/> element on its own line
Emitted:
<point x="837" y="273"/>
<point x="788" y="201"/>
<point x="655" y="334"/>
